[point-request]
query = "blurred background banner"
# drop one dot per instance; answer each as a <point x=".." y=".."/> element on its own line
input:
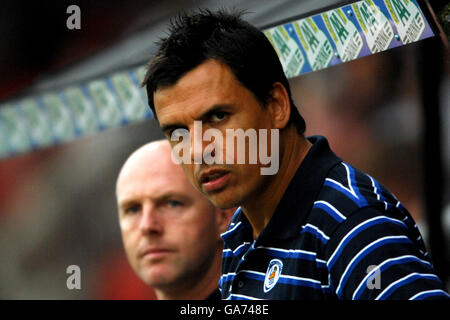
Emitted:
<point x="73" y="97"/>
<point x="309" y="42"/>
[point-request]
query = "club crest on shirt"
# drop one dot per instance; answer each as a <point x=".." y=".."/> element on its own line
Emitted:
<point x="272" y="274"/>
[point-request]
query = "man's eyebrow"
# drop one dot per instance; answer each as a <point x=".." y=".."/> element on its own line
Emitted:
<point x="171" y="195"/>
<point x="125" y="203"/>
<point x="219" y="107"/>
<point x="158" y="198"/>
<point x="171" y="126"/>
<point x="205" y="115"/>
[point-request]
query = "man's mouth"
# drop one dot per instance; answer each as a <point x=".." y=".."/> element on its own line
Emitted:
<point x="214" y="180"/>
<point x="213" y="176"/>
<point x="154" y="253"/>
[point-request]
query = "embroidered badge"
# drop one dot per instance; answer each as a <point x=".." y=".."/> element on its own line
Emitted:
<point x="272" y="274"/>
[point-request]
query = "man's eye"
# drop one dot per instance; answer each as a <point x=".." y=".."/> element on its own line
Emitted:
<point x="218" y="116"/>
<point x="174" y="204"/>
<point x="133" y="209"/>
<point x="177" y="132"/>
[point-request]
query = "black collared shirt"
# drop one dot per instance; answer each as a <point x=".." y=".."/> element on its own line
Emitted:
<point x="336" y="234"/>
<point x="215" y="295"/>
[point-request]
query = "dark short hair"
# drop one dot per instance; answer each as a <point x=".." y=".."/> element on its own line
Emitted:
<point x="203" y="35"/>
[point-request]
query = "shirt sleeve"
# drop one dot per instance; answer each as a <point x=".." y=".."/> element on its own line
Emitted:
<point x="380" y="255"/>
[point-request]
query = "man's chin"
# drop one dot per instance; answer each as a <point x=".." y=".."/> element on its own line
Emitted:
<point x="157" y="278"/>
<point x="224" y="198"/>
<point x="224" y="202"/>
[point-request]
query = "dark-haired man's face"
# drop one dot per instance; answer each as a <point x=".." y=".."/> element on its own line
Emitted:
<point x="210" y="93"/>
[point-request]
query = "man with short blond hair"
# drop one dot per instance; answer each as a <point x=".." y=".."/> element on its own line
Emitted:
<point x="170" y="231"/>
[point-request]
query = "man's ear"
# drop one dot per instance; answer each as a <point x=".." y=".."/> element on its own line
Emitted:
<point x="280" y="106"/>
<point x="223" y="218"/>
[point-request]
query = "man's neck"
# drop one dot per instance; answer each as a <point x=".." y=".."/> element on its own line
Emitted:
<point x="195" y="288"/>
<point x="260" y="209"/>
<point x="184" y="295"/>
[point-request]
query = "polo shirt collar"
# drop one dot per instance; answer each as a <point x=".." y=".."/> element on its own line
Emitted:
<point x="239" y="231"/>
<point x="296" y="202"/>
<point x="302" y="191"/>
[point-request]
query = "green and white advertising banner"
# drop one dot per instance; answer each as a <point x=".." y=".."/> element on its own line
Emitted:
<point x="37" y="122"/>
<point x="345" y="34"/>
<point x="14" y="130"/>
<point x="408" y="19"/>
<point x="377" y="29"/>
<point x="106" y="102"/>
<point x="287" y="49"/>
<point x="307" y="44"/>
<point x="315" y="43"/>
<point x="82" y="110"/>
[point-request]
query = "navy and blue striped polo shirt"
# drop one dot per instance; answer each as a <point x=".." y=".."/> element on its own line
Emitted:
<point x="336" y="234"/>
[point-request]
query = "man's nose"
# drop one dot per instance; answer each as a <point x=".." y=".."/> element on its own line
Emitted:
<point x="151" y="222"/>
<point x="196" y="139"/>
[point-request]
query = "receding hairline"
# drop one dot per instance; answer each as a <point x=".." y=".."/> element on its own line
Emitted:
<point x="142" y="151"/>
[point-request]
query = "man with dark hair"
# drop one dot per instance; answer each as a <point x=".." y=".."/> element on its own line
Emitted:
<point x="246" y="53"/>
<point x="315" y="229"/>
